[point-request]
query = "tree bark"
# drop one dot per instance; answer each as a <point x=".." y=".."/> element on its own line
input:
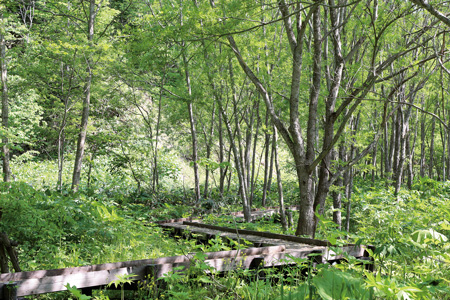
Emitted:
<point x="431" y="159"/>
<point x="266" y="161"/>
<point x="279" y="182"/>
<point x="209" y="140"/>
<point x="238" y="165"/>
<point x="422" y="142"/>
<point x="86" y="103"/>
<point x="5" y="111"/>
<point x="337" y="195"/>
<point x="193" y="131"/>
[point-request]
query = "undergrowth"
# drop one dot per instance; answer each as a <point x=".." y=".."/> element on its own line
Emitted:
<point x="109" y="221"/>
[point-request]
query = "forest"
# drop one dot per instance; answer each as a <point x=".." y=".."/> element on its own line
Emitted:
<point x="117" y="114"/>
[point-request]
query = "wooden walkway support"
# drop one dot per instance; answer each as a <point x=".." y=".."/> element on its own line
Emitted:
<point x="269" y="250"/>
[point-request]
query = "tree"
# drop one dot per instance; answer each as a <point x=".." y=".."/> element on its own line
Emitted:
<point x="93" y="11"/>
<point x="338" y="110"/>
<point x="5" y="108"/>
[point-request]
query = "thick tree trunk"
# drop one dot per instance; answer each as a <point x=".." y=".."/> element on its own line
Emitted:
<point x="5" y="111"/>
<point x="306" y="223"/>
<point x="86" y="103"/>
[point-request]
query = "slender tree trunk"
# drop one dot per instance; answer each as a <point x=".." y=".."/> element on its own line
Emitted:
<point x="269" y="179"/>
<point x="374" y="154"/>
<point x="239" y="137"/>
<point x="91" y="160"/>
<point x="266" y="161"/>
<point x="337" y="195"/>
<point x="422" y="143"/>
<point x="61" y="132"/>
<point x="431" y="161"/>
<point x="279" y="182"/>
<point x="238" y="165"/>
<point x="194" y="151"/>
<point x="86" y="103"/>
<point x="155" y="177"/>
<point x="221" y="158"/>
<point x="248" y="148"/>
<point x="253" y="164"/>
<point x="399" y="152"/>
<point x="193" y="131"/>
<point x="387" y="147"/>
<point x="348" y="176"/>
<point x="5" y="110"/>
<point x="209" y="141"/>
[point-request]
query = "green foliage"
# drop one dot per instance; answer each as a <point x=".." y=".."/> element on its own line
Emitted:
<point x="336" y="284"/>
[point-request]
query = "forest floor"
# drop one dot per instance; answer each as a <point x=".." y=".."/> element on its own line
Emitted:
<point x="101" y="224"/>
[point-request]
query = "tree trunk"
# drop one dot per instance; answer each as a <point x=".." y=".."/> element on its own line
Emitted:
<point x="238" y="165"/>
<point x="431" y="160"/>
<point x="221" y="158"/>
<point x="266" y="161"/>
<point x="422" y="142"/>
<point x="86" y="103"/>
<point x="5" y="111"/>
<point x="337" y="195"/>
<point x="348" y="176"/>
<point x="193" y="131"/>
<point x="279" y="182"/>
<point x="155" y="176"/>
<point x="253" y="164"/>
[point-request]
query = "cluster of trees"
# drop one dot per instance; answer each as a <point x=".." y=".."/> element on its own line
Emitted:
<point x="349" y="86"/>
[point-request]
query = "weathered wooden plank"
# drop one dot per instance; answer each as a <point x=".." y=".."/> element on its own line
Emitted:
<point x="284" y="237"/>
<point x="352" y="250"/>
<point x="33" y="286"/>
<point x="101" y="267"/>
<point x="238" y="213"/>
<point x="191" y="219"/>
<point x="241" y="262"/>
<point x="47" y="284"/>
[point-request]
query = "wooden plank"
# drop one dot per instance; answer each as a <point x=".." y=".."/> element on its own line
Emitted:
<point x="191" y="219"/>
<point x="262" y="234"/>
<point x="352" y="250"/>
<point x="49" y="284"/>
<point x="253" y="211"/>
<point x="241" y="262"/>
<point x="7" y="277"/>
<point x="221" y="261"/>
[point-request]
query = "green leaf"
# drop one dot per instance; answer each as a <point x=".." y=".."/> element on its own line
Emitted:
<point x="424" y="235"/>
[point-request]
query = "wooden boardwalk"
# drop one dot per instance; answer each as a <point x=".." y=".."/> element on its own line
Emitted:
<point x="269" y="250"/>
<point x="294" y="246"/>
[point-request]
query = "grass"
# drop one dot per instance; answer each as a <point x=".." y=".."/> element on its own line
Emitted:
<point x="109" y="222"/>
